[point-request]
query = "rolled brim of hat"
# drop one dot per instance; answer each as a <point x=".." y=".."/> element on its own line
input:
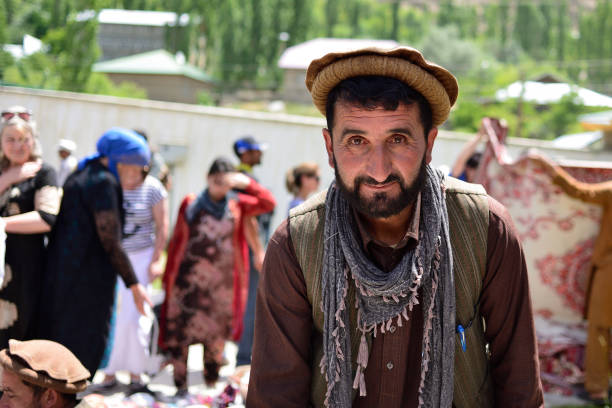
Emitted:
<point x="46" y="364"/>
<point x="435" y="83"/>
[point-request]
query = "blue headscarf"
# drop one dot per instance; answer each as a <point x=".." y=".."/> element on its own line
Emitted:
<point x="120" y="145"/>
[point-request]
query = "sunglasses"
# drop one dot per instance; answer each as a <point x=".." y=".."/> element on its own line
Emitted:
<point x="314" y="176"/>
<point x="6" y="115"/>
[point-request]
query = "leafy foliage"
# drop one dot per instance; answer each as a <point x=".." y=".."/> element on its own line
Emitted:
<point x="486" y="44"/>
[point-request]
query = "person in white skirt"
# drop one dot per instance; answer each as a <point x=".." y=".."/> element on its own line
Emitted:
<point x="144" y="237"/>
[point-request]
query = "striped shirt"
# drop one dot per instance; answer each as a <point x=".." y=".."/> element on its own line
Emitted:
<point x="139" y="229"/>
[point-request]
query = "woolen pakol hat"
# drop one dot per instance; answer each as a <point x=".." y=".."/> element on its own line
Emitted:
<point x="436" y="84"/>
<point x="45" y="363"/>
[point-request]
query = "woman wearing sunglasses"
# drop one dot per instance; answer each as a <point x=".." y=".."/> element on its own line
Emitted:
<point x="206" y="278"/>
<point x="16" y="112"/>
<point x="29" y="203"/>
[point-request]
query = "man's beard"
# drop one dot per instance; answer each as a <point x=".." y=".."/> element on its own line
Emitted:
<point x="381" y="205"/>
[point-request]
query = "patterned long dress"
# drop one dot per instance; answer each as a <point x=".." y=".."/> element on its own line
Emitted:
<point x="200" y="305"/>
<point x="206" y="281"/>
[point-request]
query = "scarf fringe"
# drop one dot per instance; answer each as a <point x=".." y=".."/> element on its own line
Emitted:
<point x="363" y="353"/>
<point x="428" y="326"/>
<point x="338" y="346"/>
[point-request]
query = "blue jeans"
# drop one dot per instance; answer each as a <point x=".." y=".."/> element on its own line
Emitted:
<point x="246" y="341"/>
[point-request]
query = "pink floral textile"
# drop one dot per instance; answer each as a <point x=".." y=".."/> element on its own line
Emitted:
<point x="557" y="232"/>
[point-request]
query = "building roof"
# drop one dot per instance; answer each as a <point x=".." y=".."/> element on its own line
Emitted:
<point x="597" y="121"/>
<point x="547" y="93"/>
<point x="578" y="140"/>
<point x="135" y="17"/>
<point x="29" y="46"/>
<point x="159" y="62"/>
<point x="299" y="56"/>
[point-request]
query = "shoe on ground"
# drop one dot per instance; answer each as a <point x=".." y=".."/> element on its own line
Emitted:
<point x="181" y="393"/>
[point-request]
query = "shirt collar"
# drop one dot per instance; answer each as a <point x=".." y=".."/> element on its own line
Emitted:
<point x="411" y="233"/>
<point x="244" y="168"/>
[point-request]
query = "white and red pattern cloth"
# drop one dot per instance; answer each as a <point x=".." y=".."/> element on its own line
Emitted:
<point x="558" y="235"/>
<point x="557" y="232"/>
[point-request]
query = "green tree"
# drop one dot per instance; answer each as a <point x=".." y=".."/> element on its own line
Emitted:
<point x="331" y="16"/>
<point x="562" y="22"/>
<point x="414" y="24"/>
<point x="5" y="58"/>
<point x="9" y="8"/>
<point x="546" y="30"/>
<point x="36" y="70"/>
<point x="355" y="12"/>
<point x="446" y="16"/>
<point x="395" y="19"/>
<point x="560" y="117"/>
<point x="528" y="27"/>
<point x="443" y="46"/>
<point x="75" y="50"/>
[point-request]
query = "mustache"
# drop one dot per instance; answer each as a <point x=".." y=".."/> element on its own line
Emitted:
<point x="371" y="181"/>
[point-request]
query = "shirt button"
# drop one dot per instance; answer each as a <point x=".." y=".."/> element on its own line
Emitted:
<point x="389" y="366"/>
<point x="392" y="329"/>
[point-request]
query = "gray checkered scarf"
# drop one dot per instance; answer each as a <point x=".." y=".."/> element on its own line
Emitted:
<point x="382" y="297"/>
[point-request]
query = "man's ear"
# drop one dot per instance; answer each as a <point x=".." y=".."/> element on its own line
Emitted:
<point x="329" y="146"/>
<point x="49" y="398"/>
<point x="431" y="138"/>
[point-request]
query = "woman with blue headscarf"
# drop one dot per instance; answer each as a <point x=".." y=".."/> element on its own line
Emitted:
<point x="85" y="254"/>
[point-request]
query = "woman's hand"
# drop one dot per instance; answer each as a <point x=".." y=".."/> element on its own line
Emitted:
<point x="140" y="298"/>
<point x="156" y="269"/>
<point x="16" y="174"/>
<point x="258" y="258"/>
<point x="237" y="180"/>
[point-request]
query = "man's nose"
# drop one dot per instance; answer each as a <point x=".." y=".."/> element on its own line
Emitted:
<point x="379" y="163"/>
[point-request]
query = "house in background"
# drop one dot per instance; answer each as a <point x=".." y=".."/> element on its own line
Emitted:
<point x="598" y="135"/>
<point x="295" y="60"/>
<point x="164" y="76"/>
<point x="128" y="32"/>
<point x="29" y="46"/>
<point x="546" y="90"/>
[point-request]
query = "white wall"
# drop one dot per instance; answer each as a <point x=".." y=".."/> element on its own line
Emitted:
<point x="208" y="132"/>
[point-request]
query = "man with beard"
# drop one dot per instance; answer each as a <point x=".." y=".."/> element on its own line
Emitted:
<point x="41" y="374"/>
<point x="398" y="287"/>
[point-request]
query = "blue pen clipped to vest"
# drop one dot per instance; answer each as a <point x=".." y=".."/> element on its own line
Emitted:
<point x="461" y="332"/>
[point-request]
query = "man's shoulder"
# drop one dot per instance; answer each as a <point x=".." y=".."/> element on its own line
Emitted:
<point x="456" y="186"/>
<point x="307" y="218"/>
<point x="313" y="204"/>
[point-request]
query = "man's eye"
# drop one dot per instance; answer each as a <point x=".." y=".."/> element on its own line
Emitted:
<point x="397" y="139"/>
<point x="355" y="141"/>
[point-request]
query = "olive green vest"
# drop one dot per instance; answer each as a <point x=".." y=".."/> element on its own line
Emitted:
<point x="468" y="211"/>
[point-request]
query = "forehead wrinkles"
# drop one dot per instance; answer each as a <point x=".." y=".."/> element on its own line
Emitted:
<point x="347" y="111"/>
<point x="377" y="122"/>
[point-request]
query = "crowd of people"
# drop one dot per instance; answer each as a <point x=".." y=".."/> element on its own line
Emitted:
<point x="71" y="233"/>
<point x="398" y="286"/>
